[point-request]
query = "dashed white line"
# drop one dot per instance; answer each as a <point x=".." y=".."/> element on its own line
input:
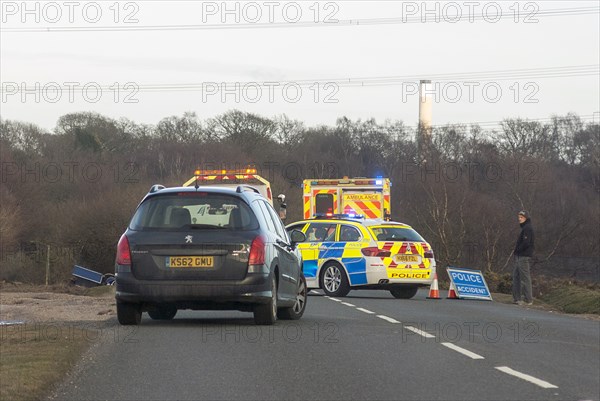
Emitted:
<point x="463" y="351"/>
<point x="389" y="319"/>
<point x="531" y="379"/>
<point x="419" y="332"/>
<point x="472" y="355"/>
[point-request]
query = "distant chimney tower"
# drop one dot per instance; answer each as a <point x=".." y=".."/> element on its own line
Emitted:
<point x="424" y="132"/>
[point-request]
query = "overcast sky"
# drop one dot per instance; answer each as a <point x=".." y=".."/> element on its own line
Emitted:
<point x="361" y="59"/>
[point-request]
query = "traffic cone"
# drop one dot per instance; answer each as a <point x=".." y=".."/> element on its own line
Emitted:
<point x="452" y="292"/>
<point x="434" y="291"/>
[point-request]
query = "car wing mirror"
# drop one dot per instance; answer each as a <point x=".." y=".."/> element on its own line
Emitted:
<point x="297" y="236"/>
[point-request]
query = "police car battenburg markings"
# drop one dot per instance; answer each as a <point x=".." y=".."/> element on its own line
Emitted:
<point x="469" y="284"/>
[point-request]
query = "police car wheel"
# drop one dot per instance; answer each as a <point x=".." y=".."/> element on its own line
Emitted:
<point x="404" y="292"/>
<point x="334" y="281"/>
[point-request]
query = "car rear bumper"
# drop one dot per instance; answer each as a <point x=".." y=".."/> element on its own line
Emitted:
<point x="378" y="274"/>
<point x="254" y="289"/>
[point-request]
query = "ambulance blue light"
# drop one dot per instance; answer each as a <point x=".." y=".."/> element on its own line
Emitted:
<point x="379" y="181"/>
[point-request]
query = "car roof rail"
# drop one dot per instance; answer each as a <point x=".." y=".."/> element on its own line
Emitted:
<point x="155" y="188"/>
<point x="242" y="188"/>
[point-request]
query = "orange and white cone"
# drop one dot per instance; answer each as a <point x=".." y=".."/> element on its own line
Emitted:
<point x="452" y="292"/>
<point x="434" y="291"/>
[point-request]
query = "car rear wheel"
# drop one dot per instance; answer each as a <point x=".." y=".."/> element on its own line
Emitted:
<point x="296" y="311"/>
<point x="129" y="314"/>
<point x="266" y="314"/>
<point x="334" y="281"/>
<point x="163" y="312"/>
<point x="404" y="292"/>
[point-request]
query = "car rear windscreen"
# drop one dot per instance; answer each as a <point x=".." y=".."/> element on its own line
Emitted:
<point x="195" y="210"/>
<point x="387" y="233"/>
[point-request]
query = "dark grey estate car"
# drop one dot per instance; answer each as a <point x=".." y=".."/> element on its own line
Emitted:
<point x="208" y="248"/>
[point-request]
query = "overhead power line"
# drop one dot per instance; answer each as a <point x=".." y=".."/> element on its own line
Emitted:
<point x="558" y="12"/>
<point x="462" y="77"/>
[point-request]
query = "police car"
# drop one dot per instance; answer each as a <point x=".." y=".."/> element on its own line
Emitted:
<point x="344" y="252"/>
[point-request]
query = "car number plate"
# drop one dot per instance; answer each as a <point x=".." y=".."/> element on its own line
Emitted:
<point x="408" y="258"/>
<point x="189" y="261"/>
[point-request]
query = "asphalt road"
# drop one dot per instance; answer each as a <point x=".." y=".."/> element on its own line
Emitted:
<point x="367" y="345"/>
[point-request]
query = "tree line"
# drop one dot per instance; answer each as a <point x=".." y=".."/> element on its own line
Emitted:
<point x="73" y="190"/>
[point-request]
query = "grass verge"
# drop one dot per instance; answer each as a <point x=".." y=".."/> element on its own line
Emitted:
<point x="574" y="299"/>
<point x="35" y="357"/>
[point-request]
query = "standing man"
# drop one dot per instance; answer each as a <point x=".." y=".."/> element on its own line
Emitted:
<point x="523" y="254"/>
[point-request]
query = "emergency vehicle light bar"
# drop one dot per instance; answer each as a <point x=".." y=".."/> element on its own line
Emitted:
<point x="353" y="181"/>
<point x="338" y="216"/>
<point x="198" y="173"/>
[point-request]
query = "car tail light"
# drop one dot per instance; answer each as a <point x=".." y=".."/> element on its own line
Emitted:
<point x="123" y="252"/>
<point x="374" y="251"/>
<point x="428" y="254"/>
<point x="257" y="251"/>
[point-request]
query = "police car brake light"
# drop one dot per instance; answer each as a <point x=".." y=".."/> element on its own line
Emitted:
<point x="374" y="251"/>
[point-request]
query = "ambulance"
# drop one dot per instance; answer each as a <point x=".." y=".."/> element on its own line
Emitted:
<point x="367" y="197"/>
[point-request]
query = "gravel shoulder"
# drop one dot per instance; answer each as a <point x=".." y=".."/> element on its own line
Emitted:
<point x="41" y="305"/>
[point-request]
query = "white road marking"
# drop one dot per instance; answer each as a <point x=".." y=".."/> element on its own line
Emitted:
<point x="463" y="351"/>
<point x="472" y="355"/>
<point x="419" y="332"/>
<point x="389" y="319"/>
<point x="531" y="379"/>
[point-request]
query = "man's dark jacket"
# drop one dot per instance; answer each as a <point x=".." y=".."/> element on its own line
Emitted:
<point x="525" y="246"/>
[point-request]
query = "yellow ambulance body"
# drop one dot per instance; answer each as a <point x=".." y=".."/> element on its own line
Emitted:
<point x="367" y="197"/>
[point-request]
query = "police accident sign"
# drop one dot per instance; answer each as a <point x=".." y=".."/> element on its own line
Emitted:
<point x="469" y="284"/>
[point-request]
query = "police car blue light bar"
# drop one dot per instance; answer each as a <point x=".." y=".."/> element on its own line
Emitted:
<point x="338" y="216"/>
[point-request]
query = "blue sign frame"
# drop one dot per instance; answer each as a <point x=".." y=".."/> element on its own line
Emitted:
<point x="469" y="283"/>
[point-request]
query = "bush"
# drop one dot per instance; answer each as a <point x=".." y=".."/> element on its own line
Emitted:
<point x="501" y="283"/>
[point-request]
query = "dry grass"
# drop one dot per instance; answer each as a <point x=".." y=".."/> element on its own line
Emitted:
<point x="574" y="299"/>
<point x="63" y="288"/>
<point x="34" y="357"/>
